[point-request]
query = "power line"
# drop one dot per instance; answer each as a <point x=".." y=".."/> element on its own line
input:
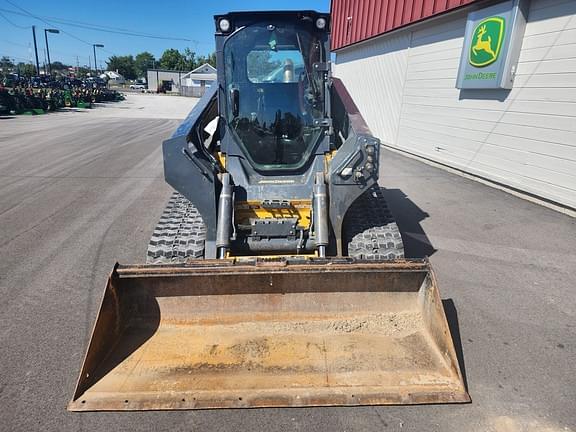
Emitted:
<point x="61" y="31"/>
<point x="62" y="53"/>
<point x="10" y="22"/>
<point x="121" y="32"/>
<point x="97" y="27"/>
<point x="15" y="43"/>
<point x="46" y="22"/>
<point x="18" y="58"/>
<point x="116" y="28"/>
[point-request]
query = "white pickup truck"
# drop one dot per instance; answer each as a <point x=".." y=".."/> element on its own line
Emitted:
<point x="139" y="86"/>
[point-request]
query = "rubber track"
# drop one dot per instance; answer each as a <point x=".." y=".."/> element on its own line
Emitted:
<point x="370" y="230"/>
<point x="179" y="235"/>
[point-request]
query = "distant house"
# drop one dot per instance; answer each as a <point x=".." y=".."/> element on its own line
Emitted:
<point x="113" y="77"/>
<point x="205" y="69"/>
<point x="195" y="82"/>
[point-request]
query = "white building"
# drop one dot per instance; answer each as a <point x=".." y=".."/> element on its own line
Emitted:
<point x="403" y="81"/>
<point x="167" y="81"/>
<point x="113" y="77"/>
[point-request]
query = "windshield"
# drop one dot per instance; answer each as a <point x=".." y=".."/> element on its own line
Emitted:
<point x="275" y="66"/>
<point x="273" y="97"/>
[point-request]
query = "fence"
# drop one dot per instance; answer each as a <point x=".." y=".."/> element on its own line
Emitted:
<point x="193" y="91"/>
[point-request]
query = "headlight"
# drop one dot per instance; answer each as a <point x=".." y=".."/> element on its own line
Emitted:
<point x="224" y="25"/>
<point x="321" y="23"/>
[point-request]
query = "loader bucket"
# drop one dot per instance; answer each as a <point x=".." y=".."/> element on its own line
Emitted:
<point x="227" y="334"/>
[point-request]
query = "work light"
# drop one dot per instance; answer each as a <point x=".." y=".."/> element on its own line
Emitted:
<point x="224" y="25"/>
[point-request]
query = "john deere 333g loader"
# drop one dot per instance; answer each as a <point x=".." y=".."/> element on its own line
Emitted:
<point x="276" y="274"/>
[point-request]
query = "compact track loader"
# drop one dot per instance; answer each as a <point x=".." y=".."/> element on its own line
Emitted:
<point x="276" y="274"/>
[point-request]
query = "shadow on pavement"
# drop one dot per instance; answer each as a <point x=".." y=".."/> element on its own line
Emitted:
<point x="408" y="217"/>
<point x="452" y="318"/>
<point x="123" y="325"/>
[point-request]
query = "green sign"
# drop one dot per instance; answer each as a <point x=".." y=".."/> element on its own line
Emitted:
<point x="487" y="41"/>
<point x="492" y="43"/>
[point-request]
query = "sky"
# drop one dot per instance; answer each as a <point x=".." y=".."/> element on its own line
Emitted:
<point x="188" y="21"/>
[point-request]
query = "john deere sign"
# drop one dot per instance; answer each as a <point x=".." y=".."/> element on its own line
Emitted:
<point x="487" y="41"/>
<point x="492" y="45"/>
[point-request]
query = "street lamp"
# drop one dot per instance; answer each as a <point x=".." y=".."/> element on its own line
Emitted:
<point x="46" y="31"/>
<point x="94" y="46"/>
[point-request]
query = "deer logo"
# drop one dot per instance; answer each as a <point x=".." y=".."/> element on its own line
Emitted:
<point x="485" y="45"/>
<point x="486" y="41"/>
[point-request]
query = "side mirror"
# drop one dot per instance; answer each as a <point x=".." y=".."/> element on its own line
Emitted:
<point x="235" y="98"/>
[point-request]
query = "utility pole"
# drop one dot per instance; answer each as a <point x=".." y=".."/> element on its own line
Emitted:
<point x="36" y="50"/>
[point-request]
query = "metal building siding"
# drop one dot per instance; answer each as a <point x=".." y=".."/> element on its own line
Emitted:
<point x="404" y="85"/>
<point x="357" y="20"/>
<point x="377" y="89"/>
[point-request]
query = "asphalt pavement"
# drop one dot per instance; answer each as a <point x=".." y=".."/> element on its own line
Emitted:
<point x="82" y="190"/>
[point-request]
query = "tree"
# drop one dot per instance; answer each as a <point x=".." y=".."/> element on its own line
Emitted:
<point x="58" y="66"/>
<point x="26" y="69"/>
<point x="124" y="65"/>
<point x="260" y="64"/>
<point x="200" y="61"/>
<point x="188" y="60"/>
<point x="143" y="62"/>
<point x="171" y="59"/>
<point x="212" y="59"/>
<point x="6" y="65"/>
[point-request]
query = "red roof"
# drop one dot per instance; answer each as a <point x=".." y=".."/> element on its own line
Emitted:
<point x="357" y="20"/>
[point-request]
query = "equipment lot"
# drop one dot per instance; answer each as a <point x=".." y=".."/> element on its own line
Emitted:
<point x="80" y="190"/>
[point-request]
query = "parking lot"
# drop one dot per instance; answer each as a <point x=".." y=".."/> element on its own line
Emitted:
<point x="81" y="190"/>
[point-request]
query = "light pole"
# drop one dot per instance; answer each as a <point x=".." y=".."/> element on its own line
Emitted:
<point x="46" y="31"/>
<point x="94" y="46"/>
